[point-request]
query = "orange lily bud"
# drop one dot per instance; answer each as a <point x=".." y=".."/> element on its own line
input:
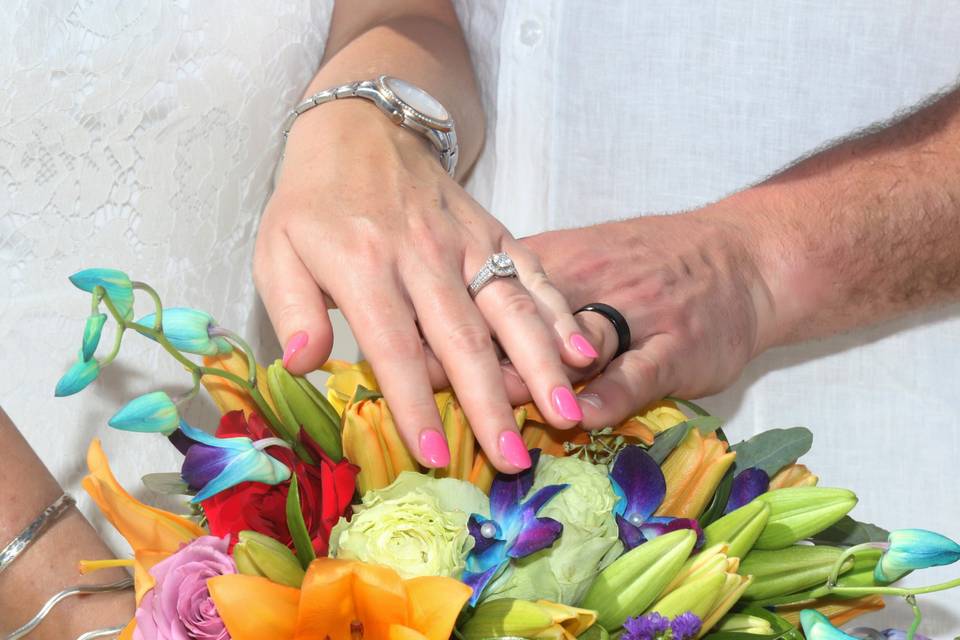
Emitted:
<point x="839" y="610"/>
<point x="459" y="438"/>
<point x="693" y="472"/>
<point x="794" y="475"/>
<point x="344" y="379"/>
<point x="227" y="395"/>
<point x="659" y="416"/>
<point x="371" y="440"/>
<point x="482" y="473"/>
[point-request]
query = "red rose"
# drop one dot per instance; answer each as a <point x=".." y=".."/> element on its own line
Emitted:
<point x="326" y="490"/>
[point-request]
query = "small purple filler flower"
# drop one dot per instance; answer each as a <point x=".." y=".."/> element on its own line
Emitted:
<point x="654" y="626"/>
<point x="179" y="605"/>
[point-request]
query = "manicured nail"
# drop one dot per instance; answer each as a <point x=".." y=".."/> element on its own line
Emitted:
<point x="513" y="449"/>
<point x="592" y="399"/>
<point x="566" y="404"/>
<point x="296" y="342"/>
<point x="434" y="448"/>
<point x="583" y="345"/>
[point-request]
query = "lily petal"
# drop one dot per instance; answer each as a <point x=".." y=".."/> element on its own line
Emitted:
<point x="253" y="607"/>
<point x="639" y="482"/>
<point x="433" y="605"/>
<point x="747" y="485"/>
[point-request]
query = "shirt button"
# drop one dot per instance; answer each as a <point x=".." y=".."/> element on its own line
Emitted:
<point x="530" y="32"/>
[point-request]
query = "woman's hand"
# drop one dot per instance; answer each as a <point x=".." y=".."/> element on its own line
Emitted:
<point x="691" y="290"/>
<point x="364" y="217"/>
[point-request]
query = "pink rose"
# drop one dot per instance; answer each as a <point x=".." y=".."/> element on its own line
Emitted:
<point x="179" y="606"/>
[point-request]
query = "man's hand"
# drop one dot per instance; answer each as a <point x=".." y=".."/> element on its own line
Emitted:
<point x="691" y="291"/>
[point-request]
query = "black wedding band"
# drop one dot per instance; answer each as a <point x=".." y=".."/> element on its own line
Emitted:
<point x="616" y="319"/>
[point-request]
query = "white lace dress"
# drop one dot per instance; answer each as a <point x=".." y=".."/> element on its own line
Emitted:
<point x="142" y="135"/>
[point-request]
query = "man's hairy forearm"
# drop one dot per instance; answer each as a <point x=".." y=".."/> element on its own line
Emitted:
<point x="864" y="231"/>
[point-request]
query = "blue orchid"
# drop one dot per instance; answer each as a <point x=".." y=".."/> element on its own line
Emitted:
<point x="513" y="530"/>
<point x="910" y="549"/>
<point x="637" y="480"/>
<point x="747" y="485"/>
<point x="213" y="464"/>
<point x="80" y="374"/>
<point x="116" y="283"/>
<point x="91" y="334"/>
<point x="150" y="413"/>
<point x="189" y="330"/>
<point x="817" y="626"/>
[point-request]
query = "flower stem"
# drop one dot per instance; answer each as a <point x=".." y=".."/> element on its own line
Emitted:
<point x="850" y="551"/>
<point x="240" y="342"/>
<point x="150" y="291"/>
<point x="912" y="601"/>
<point x="893" y="591"/>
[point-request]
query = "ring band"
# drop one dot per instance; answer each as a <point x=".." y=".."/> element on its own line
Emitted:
<point x="499" y="265"/>
<point x="617" y="320"/>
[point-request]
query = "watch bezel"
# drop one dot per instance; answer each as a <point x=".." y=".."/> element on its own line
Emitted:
<point x="409" y="111"/>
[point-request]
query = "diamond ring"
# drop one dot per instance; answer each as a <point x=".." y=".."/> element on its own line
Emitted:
<point x="499" y="265"/>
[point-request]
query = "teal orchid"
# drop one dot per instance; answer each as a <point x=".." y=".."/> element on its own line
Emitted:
<point x="911" y="549"/>
<point x="91" y="334"/>
<point x="150" y="413"/>
<point x="189" y="330"/>
<point x="213" y="464"/>
<point x="817" y="626"/>
<point x="116" y="283"/>
<point x="77" y="377"/>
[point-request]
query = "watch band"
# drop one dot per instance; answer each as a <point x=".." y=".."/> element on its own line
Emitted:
<point x="443" y="139"/>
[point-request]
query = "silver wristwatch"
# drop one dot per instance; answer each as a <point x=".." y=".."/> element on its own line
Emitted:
<point x="405" y="103"/>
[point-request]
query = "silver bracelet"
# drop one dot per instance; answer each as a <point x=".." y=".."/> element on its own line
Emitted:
<point x="57" y="598"/>
<point x="34" y="530"/>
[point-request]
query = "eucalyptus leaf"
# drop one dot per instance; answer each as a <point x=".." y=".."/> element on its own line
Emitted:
<point x="297" y="526"/>
<point x="773" y="450"/>
<point x="167" y="484"/>
<point x="697" y="409"/>
<point x="848" y="532"/>
<point x="667" y="441"/>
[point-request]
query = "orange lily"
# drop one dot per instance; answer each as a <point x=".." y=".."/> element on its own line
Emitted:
<point x="229" y="396"/>
<point x="794" y="475"/>
<point x="153" y="533"/>
<point x="340" y="600"/>
<point x="371" y="441"/>
<point x="839" y="610"/>
<point x="693" y="472"/>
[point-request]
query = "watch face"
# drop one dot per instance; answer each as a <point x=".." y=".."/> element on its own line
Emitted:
<point x="417" y="98"/>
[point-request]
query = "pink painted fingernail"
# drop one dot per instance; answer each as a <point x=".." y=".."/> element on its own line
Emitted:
<point x="434" y="448"/>
<point x="583" y="345"/>
<point x="296" y="342"/>
<point x="592" y="399"/>
<point x="566" y="404"/>
<point x="513" y="449"/>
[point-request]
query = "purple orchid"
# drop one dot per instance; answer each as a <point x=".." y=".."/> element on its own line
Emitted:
<point x="654" y="626"/>
<point x="747" y="485"/>
<point x="513" y="530"/>
<point x="213" y="464"/>
<point x="639" y="483"/>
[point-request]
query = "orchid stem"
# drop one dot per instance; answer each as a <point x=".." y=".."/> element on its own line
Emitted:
<point x="912" y="631"/>
<point x="848" y="552"/>
<point x="893" y="591"/>
<point x="150" y="291"/>
<point x="240" y="342"/>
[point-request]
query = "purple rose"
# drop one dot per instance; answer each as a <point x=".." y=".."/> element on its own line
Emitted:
<point x="179" y="605"/>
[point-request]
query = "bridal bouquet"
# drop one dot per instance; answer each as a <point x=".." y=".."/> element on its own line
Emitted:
<point x="306" y="518"/>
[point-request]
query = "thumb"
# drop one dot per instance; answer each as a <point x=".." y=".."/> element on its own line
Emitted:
<point x="295" y="304"/>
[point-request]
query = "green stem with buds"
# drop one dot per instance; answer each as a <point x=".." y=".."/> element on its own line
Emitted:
<point x="150" y="291"/>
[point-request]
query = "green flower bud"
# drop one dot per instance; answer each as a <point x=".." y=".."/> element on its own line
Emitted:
<point x="786" y="571"/>
<point x="511" y="618"/>
<point x="260" y="555"/>
<point x="697" y="596"/>
<point x="635" y="579"/>
<point x="299" y="404"/>
<point x="744" y="623"/>
<point x="739" y="529"/>
<point x="797" y="513"/>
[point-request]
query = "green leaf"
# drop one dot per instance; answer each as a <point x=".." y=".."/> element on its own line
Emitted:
<point x="848" y="532"/>
<point x="168" y="484"/>
<point x="772" y="450"/>
<point x="297" y="526"/>
<point x="697" y="409"/>
<point x="362" y="393"/>
<point x="782" y="630"/>
<point x="667" y="441"/>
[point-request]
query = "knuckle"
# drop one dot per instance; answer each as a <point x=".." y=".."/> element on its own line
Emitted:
<point x="398" y="344"/>
<point x="519" y="303"/>
<point x="470" y="339"/>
